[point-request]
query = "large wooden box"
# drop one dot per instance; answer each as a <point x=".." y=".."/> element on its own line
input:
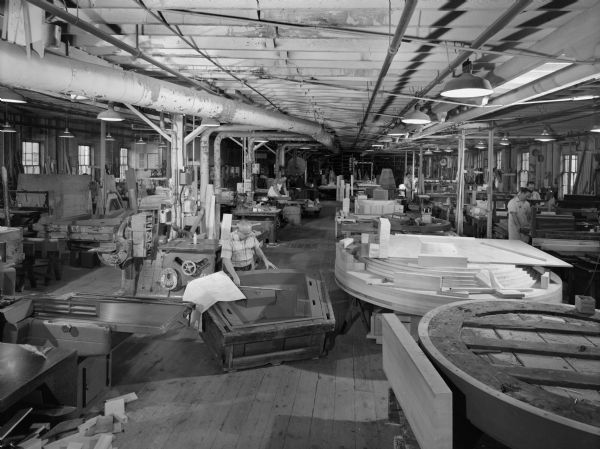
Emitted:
<point x="287" y="318"/>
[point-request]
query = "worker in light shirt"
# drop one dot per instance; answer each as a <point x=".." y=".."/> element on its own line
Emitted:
<point x="239" y="250"/>
<point x="519" y="215"/>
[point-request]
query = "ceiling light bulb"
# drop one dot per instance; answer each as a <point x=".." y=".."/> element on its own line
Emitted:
<point x="428" y="152"/>
<point x="416" y="117"/>
<point x="110" y="115"/>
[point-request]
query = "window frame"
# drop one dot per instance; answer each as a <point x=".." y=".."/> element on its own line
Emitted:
<point x="84" y="169"/>
<point x="27" y="167"/>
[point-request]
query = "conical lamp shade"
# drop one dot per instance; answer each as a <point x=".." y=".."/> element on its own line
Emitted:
<point x="66" y="134"/>
<point x="467" y="85"/>
<point x="7" y="128"/>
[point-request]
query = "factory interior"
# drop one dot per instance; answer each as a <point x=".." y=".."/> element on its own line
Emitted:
<point x="303" y="224"/>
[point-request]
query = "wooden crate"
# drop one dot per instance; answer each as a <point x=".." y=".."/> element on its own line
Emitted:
<point x="249" y="344"/>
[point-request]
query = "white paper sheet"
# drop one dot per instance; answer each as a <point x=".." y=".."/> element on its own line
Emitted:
<point x="207" y="290"/>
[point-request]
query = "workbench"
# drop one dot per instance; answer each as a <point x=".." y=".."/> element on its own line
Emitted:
<point x="272" y="216"/>
<point x="22" y="372"/>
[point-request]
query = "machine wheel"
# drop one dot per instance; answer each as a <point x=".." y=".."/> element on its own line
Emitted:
<point x="189" y="267"/>
<point x="170" y="279"/>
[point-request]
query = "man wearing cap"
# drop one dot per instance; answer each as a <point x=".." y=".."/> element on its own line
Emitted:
<point x="519" y="214"/>
<point x="239" y="250"/>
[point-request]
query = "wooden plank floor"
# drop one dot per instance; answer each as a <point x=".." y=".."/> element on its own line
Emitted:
<point x="186" y="401"/>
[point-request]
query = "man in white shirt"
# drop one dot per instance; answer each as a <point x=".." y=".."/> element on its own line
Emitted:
<point x="519" y="215"/>
<point x="237" y="252"/>
<point x="535" y="195"/>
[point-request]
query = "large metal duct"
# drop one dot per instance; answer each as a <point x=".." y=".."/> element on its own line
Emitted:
<point x="67" y="76"/>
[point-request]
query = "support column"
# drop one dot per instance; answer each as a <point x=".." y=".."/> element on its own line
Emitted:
<point x="177" y="151"/>
<point x="217" y="165"/>
<point x="204" y="168"/>
<point x="412" y="178"/>
<point x="101" y="198"/>
<point x="460" y="195"/>
<point x="421" y="180"/>
<point x="490" y="187"/>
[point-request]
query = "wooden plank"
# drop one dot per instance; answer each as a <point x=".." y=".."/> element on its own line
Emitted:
<point x="537" y="325"/>
<point x="417" y="281"/>
<point x="557" y="350"/>
<point x="422" y="393"/>
<point x="554" y="377"/>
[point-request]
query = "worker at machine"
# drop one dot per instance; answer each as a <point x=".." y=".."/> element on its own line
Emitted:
<point x="535" y="195"/>
<point x="239" y="251"/>
<point x="278" y="188"/>
<point x="519" y="215"/>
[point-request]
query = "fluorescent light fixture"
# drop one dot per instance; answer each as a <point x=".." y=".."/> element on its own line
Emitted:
<point x="377" y="145"/>
<point x="480" y="145"/>
<point x="109" y="138"/>
<point x="208" y="121"/>
<point x="110" y="115"/>
<point x="504" y="141"/>
<point x="7" y="128"/>
<point x="530" y="76"/>
<point x="467" y="85"/>
<point x="305" y="148"/>
<point x="416" y="117"/>
<point x="545" y="136"/>
<point x="66" y="134"/>
<point x="10" y="96"/>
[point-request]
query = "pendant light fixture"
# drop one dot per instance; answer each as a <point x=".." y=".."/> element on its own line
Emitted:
<point x="480" y="145"/>
<point x="208" y="121"/>
<point x="109" y="138"/>
<point x="110" y="115"/>
<point x="66" y="134"/>
<point x="7" y="127"/>
<point x="141" y="141"/>
<point x="504" y="141"/>
<point x="416" y="117"/>
<point x="546" y="136"/>
<point x="10" y="96"/>
<point x="397" y="131"/>
<point x="467" y="85"/>
<point x="596" y="128"/>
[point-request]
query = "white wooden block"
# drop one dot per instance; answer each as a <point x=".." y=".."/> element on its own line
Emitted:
<point x="364" y="238"/>
<point x="104" y="442"/>
<point x="225" y="233"/>
<point x="423" y="395"/>
<point x="87" y="425"/>
<point x="427" y="260"/>
<point x="545" y="280"/>
<point x="346" y="206"/>
<point x="114" y="407"/>
<point x="373" y="250"/>
<point x="127" y="398"/>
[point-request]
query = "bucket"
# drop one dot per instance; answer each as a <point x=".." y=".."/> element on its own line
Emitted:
<point x="292" y="214"/>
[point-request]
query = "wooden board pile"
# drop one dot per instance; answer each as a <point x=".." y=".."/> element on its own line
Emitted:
<point x="96" y="432"/>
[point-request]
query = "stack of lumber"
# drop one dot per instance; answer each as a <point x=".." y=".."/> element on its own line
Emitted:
<point x="95" y="432"/>
<point x="540" y="223"/>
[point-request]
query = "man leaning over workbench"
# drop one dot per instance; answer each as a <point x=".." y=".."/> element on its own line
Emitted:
<point x="239" y="250"/>
<point x="519" y="215"/>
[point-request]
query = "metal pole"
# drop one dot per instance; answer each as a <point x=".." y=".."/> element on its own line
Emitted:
<point x="490" y="187"/>
<point x="460" y="195"/>
<point x="412" y="178"/>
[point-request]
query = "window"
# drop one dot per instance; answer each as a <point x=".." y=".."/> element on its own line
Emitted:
<point x="123" y="163"/>
<point x="499" y="160"/>
<point x="31" y="158"/>
<point x="84" y="159"/>
<point x="524" y="173"/>
<point x="568" y="173"/>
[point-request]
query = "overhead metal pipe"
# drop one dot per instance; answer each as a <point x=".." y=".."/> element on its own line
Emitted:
<point x="65" y="75"/>
<point x="479" y="41"/>
<point x="407" y="13"/>
<point x="85" y="26"/>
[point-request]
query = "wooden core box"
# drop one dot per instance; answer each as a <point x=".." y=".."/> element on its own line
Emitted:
<point x="286" y="317"/>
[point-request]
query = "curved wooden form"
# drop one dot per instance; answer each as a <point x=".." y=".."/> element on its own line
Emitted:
<point x="530" y="372"/>
<point x="402" y="285"/>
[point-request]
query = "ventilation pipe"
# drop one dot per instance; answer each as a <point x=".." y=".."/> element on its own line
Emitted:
<point x="66" y="76"/>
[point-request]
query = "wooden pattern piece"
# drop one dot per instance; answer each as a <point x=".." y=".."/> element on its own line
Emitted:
<point x="425" y="398"/>
<point x="520" y="384"/>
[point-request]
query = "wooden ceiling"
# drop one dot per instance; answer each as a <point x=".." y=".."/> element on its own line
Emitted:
<point x="320" y="60"/>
